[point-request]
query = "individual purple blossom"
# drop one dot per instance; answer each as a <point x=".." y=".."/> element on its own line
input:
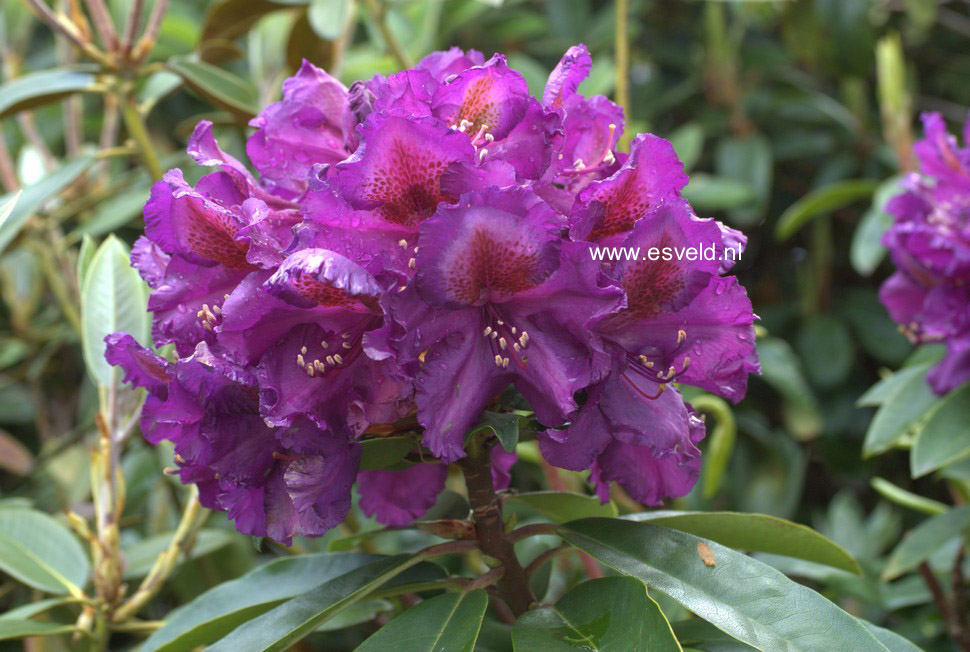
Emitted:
<point x="409" y="249"/>
<point x="929" y="242"/>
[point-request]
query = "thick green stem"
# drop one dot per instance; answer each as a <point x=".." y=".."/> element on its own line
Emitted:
<point x="139" y="133"/>
<point x="622" y="39"/>
<point x="490" y="529"/>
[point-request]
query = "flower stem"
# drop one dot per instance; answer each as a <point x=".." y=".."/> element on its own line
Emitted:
<point x="192" y="518"/>
<point x="490" y="529"/>
<point x="139" y="133"/>
<point x="622" y="56"/>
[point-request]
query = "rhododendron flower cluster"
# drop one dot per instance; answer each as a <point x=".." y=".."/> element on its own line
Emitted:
<point x="929" y="294"/>
<point x="410" y="248"/>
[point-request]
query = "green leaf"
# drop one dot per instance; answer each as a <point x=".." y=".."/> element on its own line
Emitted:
<point x="328" y="17"/>
<point x="505" y="426"/>
<point x="701" y="634"/>
<point x="140" y="556"/>
<point x="356" y="614"/>
<point x="33" y="197"/>
<point x="220" y="87"/>
<point x="782" y="370"/>
<point x="825" y="332"/>
<point x="561" y="506"/>
<point x="40" y="552"/>
<point x="688" y="142"/>
<point x="756" y="533"/>
<point x="17" y="629"/>
<point x="115" y="212"/>
<point x="821" y="201"/>
<point x="8" y="205"/>
<point x="884" y="390"/>
<point x="610" y="614"/>
<point x="32" y="609"/>
<point x="742" y="596"/>
<point x="85" y="255"/>
<point x="282" y="626"/>
<point x="114" y="298"/>
<point x="867" y="250"/>
<point x="945" y="437"/>
<point x="447" y="622"/>
<point x="222" y="608"/>
<point x="748" y="160"/>
<point x="384" y="452"/>
<point x="925" y="539"/>
<point x="43" y="87"/>
<point x="894" y="642"/>
<point x="710" y="193"/>
<point x="907" y="499"/>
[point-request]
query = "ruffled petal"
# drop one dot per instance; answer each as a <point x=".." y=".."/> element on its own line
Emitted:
<point x="566" y="77"/>
<point x="304" y="128"/>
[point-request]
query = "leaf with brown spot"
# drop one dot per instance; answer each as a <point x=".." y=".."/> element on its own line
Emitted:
<point x="706" y="555"/>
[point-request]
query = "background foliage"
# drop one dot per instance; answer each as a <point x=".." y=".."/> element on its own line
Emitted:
<point x="793" y="118"/>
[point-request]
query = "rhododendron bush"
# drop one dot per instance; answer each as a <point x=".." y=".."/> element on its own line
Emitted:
<point x="360" y="340"/>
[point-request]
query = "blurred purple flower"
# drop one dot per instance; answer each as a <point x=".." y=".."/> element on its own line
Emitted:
<point x="929" y="241"/>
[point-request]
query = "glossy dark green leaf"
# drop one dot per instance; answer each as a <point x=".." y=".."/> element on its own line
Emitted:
<point x="756" y="533"/>
<point x="562" y="506"/>
<point x="867" y="250"/>
<point x="742" y="596"/>
<point x="220" y="87"/>
<point x="384" y="452"/>
<point x="925" y="539"/>
<point x="447" y="622"/>
<point x="40" y="552"/>
<point x="18" y="629"/>
<point x="700" y="634"/>
<point x="610" y="614"/>
<point x="282" y="626"/>
<point x="945" y="436"/>
<point x="821" y="201"/>
<point x="43" y="87"/>
<point x="222" y="608"/>
<point x="33" y="197"/>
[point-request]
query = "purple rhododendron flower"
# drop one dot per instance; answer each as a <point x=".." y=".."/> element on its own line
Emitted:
<point x="929" y="241"/>
<point x="412" y="247"/>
